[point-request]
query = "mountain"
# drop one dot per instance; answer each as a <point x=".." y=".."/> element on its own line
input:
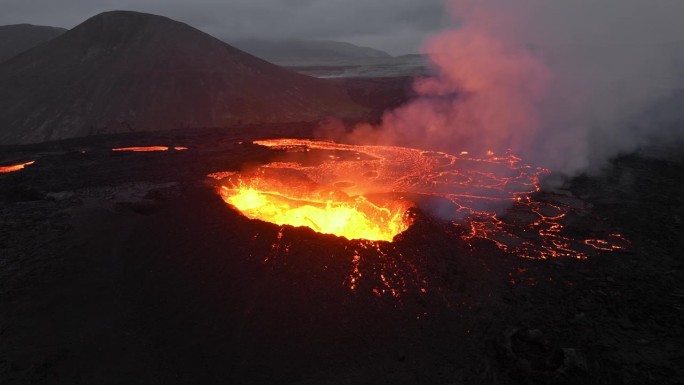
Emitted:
<point x="126" y="71"/>
<point x="306" y="50"/>
<point x="17" y="38"/>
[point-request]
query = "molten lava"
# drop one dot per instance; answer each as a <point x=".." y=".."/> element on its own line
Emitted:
<point x="361" y="191"/>
<point x="364" y="192"/>
<point x="15" y="167"/>
<point x="148" y="149"/>
<point x="329" y="212"/>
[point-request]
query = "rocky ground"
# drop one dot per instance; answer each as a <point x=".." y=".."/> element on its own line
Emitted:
<point x="128" y="268"/>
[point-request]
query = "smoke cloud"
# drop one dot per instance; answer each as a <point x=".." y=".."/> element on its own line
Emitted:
<point x="566" y="85"/>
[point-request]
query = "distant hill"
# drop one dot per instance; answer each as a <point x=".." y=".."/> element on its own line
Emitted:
<point x="126" y="71"/>
<point x="17" y="38"/>
<point x="413" y="56"/>
<point x="306" y="50"/>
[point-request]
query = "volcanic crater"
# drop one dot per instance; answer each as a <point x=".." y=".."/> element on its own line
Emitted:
<point x="283" y="301"/>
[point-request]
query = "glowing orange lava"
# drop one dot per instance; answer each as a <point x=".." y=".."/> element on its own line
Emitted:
<point x="15" y="167"/>
<point x="325" y="211"/>
<point x="148" y="149"/>
<point x="364" y="192"/>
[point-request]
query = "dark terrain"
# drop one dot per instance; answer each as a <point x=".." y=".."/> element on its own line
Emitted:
<point x="17" y="38"/>
<point x="128" y="268"/>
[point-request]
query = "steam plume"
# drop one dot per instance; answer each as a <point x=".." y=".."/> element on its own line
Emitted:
<point x="567" y="85"/>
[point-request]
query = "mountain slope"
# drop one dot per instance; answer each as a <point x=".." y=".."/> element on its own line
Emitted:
<point x="307" y="50"/>
<point x="128" y="71"/>
<point x="17" y="38"/>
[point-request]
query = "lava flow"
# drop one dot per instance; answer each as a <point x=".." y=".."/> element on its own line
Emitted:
<point x="364" y="192"/>
<point x="15" y="167"/>
<point x="329" y="212"/>
<point x="148" y="149"/>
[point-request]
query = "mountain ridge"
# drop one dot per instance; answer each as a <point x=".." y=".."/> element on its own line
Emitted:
<point x="315" y="50"/>
<point x="18" y="38"/>
<point x="128" y="71"/>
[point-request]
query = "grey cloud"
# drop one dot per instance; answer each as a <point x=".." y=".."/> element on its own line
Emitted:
<point x="398" y="26"/>
<point x="614" y="21"/>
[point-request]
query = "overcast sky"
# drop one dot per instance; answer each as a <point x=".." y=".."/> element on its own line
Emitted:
<point x="396" y="26"/>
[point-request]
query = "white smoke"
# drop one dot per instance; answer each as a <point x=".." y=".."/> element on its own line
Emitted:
<point x="565" y="84"/>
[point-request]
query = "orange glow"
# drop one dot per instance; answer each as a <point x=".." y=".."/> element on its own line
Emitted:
<point x="15" y="167"/>
<point x="364" y="192"/>
<point x="352" y="218"/>
<point x="141" y="149"/>
<point x="148" y="149"/>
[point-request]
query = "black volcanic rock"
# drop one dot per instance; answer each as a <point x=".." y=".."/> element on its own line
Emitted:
<point x="126" y="71"/>
<point x="17" y="38"/>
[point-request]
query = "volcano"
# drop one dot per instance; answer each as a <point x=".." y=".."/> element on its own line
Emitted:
<point x="128" y="72"/>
